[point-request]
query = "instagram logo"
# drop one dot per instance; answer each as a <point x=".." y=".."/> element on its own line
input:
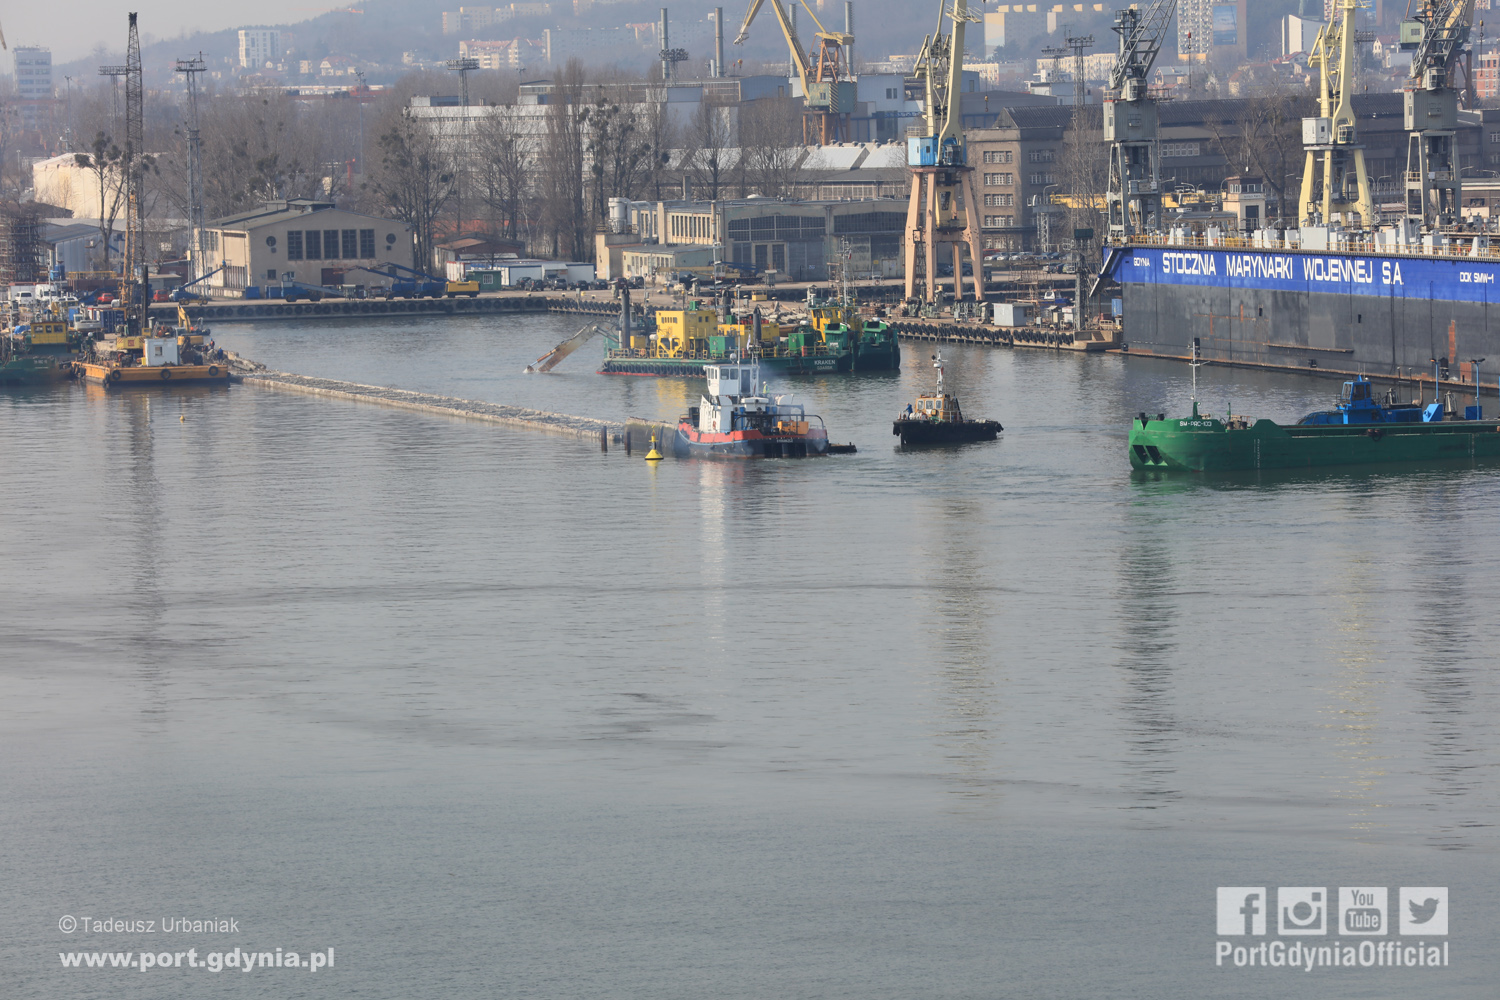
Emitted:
<point x="1301" y="910"/>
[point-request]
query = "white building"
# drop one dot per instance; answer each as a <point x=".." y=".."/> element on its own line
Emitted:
<point x="33" y="74"/>
<point x="259" y="46"/>
<point x="1298" y="33"/>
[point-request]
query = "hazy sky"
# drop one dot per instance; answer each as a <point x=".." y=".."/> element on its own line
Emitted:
<point x="71" y="28"/>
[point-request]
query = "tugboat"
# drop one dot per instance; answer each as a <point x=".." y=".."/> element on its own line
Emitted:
<point x="936" y="418"/>
<point x="732" y="421"/>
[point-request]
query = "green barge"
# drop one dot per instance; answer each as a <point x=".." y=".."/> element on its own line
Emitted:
<point x="1358" y="431"/>
<point x="835" y="340"/>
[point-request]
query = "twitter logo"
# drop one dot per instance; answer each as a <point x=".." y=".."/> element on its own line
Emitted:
<point x="1424" y="910"/>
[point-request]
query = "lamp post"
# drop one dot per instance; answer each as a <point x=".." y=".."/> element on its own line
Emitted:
<point x="1474" y="364"/>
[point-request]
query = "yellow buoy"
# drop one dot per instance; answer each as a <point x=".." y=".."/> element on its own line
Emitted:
<point x="653" y="455"/>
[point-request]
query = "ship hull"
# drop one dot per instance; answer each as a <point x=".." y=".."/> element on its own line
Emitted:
<point x="915" y="432"/>
<point x="34" y="369"/>
<point x="140" y="376"/>
<point x="1378" y="314"/>
<point x="693" y="443"/>
<point x="1206" y="445"/>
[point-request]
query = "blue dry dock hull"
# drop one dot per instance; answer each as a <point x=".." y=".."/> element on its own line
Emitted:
<point x="1381" y="314"/>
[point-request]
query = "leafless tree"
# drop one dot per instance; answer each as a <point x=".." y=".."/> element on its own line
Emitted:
<point x="771" y="140"/>
<point x="618" y="152"/>
<point x="1082" y="174"/>
<point x="103" y="161"/>
<point x="1264" y="138"/>
<point x="503" y="172"/>
<point x="660" y="138"/>
<point x="414" y="179"/>
<point x="561" y="164"/>
<point x="711" y="152"/>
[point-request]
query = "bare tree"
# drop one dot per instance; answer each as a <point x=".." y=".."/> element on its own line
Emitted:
<point x="660" y="137"/>
<point x="618" y="152"/>
<point x="562" y="167"/>
<point x="415" y="180"/>
<point x="503" y="173"/>
<point x="1083" y="168"/>
<point x="711" y="153"/>
<point x="771" y="143"/>
<point x="104" y="162"/>
<point x="1265" y="139"/>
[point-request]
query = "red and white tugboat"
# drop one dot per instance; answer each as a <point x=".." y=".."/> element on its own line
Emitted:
<point x="733" y="421"/>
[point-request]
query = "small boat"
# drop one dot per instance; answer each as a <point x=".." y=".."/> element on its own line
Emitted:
<point x="936" y="418"/>
<point x="734" y="420"/>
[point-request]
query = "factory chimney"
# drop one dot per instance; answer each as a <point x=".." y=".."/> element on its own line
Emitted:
<point x="718" y="41"/>
<point x="849" y="30"/>
<point x="666" y="59"/>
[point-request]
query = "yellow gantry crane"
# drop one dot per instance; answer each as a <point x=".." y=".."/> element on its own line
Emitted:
<point x="944" y="206"/>
<point x="828" y="95"/>
<point x="1435" y="37"/>
<point x="1334" y="179"/>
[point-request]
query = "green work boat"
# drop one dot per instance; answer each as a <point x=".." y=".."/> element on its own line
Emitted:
<point x="41" y="350"/>
<point x="1357" y="431"/>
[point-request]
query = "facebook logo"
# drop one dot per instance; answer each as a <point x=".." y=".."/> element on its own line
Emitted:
<point x="1242" y="910"/>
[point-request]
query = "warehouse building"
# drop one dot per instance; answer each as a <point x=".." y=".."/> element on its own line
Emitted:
<point x="303" y="240"/>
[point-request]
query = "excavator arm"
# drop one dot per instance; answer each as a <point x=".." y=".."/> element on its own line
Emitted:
<point x="550" y="360"/>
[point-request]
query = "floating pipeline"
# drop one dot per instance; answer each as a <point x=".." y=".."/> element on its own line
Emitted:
<point x="520" y="417"/>
<point x="993" y="336"/>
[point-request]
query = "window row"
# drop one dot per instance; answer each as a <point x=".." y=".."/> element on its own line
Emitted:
<point x="1173" y="149"/>
<point x="328" y="244"/>
<point x="999" y="180"/>
<point x="998" y="221"/>
<point x="999" y="200"/>
<point x="999" y="156"/>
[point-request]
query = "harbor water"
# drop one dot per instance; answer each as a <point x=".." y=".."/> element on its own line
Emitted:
<point x="492" y="713"/>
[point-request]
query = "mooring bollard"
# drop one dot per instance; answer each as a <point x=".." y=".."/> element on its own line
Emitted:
<point x="604" y="439"/>
<point x="627" y="440"/>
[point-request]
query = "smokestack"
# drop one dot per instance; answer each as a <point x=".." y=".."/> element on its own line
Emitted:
<point x="718" y="41"/>
<point x="661" y="36"/>
<point x="849" y="30"/>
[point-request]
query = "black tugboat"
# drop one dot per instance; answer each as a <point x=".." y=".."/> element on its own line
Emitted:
<point x="935" y="418"/>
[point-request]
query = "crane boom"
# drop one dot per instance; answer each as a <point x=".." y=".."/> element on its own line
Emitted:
<point x="1140" y="42"/>
<point x="1132" y="123"/>
<point x="799" y="54"/>
<point x="1435" y="37"/>
<point x="944" y="201"/>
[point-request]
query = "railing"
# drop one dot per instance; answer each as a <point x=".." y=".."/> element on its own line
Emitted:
<point x="1345" y="246"/>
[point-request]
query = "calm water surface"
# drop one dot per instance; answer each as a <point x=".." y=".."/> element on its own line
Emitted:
<point x="493" y="714"/>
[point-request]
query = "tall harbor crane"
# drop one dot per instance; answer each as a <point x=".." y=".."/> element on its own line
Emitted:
<point x="1132" y="122"/>
<point x="1334" y="178"/>
<point x="1435" y="37"/>
<point x="937" y="155"/>
<point x="828" y="95"/>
